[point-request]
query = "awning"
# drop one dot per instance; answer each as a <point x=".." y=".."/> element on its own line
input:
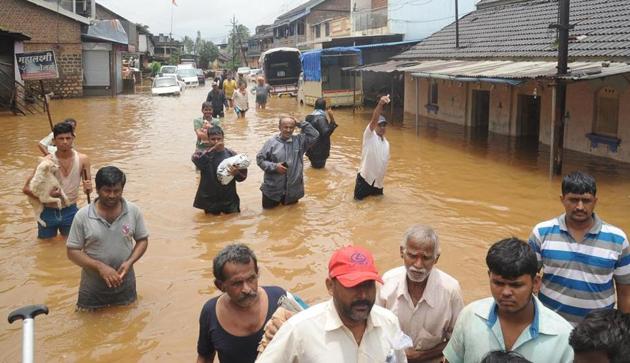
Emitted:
<point x="512" y="72"/>
<point x="14" y="35"/>
<point x="389" y="44"/>
<point x="386" y="67"/>
<point x="107" y="30"/>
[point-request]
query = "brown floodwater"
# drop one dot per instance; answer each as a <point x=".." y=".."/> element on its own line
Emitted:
<point x="473" y="189"/>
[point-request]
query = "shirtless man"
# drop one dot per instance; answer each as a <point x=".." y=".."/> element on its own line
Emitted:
<point x="71" y="165"/>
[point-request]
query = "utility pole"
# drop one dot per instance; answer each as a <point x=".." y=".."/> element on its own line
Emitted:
<point x="456" y="23"/>
<point x="557" y="131"/>
<point x="233" y="41"/>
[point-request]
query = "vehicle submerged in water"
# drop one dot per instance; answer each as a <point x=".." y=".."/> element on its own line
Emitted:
<point x="326" y="75"/>
<point x="281" y="68"/>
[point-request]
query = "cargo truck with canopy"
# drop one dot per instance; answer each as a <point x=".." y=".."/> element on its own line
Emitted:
<point x="281" y="68"/>
<point x="327" y="73"/>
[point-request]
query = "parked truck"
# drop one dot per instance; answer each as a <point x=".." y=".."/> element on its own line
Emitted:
<point x="281" y="68"/>
<point x="327" y="73"/>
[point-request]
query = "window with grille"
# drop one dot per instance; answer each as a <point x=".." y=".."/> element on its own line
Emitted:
<point x="607" y="112"/>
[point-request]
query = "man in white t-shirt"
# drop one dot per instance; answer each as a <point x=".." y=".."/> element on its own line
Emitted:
<point x="374" y="155"/>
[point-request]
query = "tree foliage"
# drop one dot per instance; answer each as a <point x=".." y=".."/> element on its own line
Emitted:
<point x="208" y="52"/>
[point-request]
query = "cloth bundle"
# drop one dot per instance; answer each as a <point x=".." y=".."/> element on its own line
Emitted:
<point x="288" y="305"/>
<point x="240" y="161"/>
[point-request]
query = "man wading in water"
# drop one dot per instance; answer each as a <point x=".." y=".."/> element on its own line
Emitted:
<point x="374" y="155"/>
<point x="101" y="242"/>
<point x="71" y="165"/>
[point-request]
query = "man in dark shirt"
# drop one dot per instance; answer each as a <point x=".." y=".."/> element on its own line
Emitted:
<point x="218" y="100"/>
<point x="232" y="323"/>
<point x="212" y="196"/>
<point x="324" y="122"/>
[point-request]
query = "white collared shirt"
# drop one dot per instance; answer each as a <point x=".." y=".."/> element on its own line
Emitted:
<point x="317" y="334"/>
<point x="374" y="158"/>
<point x="431" y="321"/>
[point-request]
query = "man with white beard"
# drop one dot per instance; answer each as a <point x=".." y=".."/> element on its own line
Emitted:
<point x="425" y="299"/>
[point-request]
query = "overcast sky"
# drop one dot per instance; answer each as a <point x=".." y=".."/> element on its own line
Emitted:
<point x="212" y="17"/>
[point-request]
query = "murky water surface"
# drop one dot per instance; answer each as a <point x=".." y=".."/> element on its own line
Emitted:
<point x="473" y="191"/>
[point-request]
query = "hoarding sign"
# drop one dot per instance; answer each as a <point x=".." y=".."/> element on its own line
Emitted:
<point x="37" y="65"/>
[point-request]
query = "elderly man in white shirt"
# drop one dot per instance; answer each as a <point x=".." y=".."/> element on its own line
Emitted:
<point x="425" y="299"/>
<point x="347" y="328"/>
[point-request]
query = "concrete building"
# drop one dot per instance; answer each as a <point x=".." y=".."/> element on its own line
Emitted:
<point x="412" y="20"/>
<point x="502" y="79"/>
<point x="50" y="26"/>
<point x="258" y="43"/>
<point x="108" y="40"/>
<point x="165" y="47"/>
<point x="146" y="47"/>
<point x="311" y="24"/>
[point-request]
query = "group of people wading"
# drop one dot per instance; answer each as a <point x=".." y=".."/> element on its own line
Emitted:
<point x="562" y="296"/>
<point x="281" y="158"/>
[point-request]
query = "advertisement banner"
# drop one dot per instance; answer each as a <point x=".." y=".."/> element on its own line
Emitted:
<point x="37" y="65"/>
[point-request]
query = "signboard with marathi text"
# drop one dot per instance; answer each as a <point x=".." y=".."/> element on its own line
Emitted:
<point x="37" y="65"/>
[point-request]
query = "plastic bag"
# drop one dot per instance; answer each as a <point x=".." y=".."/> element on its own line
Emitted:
<point x="240" y="161"/>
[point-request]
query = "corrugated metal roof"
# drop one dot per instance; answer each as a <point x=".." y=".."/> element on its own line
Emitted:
<point x="521" y="29"/>
<point x="514" y="70"/>
<point x="390" y="44"/>
<point x="386" y="67"/>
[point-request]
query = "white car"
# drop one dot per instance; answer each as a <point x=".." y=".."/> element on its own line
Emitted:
<point x="189" y="76"/>
<point x="243" y="71"/>
<point x="168" y="85"/>
<point x="164" y="70"/>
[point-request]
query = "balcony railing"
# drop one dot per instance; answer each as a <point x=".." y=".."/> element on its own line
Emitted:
<point x="79" y="7"/>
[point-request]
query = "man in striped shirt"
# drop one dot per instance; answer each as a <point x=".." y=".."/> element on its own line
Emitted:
<point x="581" y="255"/>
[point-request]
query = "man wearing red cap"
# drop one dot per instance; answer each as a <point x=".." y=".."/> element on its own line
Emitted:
<point x="347" y="328"/>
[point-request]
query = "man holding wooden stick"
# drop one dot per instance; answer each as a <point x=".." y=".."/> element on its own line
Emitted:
<point x="74" y="171"/>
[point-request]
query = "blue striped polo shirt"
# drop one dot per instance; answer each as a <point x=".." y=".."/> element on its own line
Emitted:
<point x="578" y="276"/>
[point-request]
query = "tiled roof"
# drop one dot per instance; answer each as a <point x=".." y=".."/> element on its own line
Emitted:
<point x="521" y="30"/>
<point x="299" y="9"/>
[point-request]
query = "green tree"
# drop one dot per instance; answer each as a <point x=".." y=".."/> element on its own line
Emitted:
<point x="175" y="56"/>
<point x="208" y="52"/>
<point x="155" y="67"/>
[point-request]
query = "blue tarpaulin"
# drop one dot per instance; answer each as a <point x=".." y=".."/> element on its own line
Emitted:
<point x="312" y="60"/>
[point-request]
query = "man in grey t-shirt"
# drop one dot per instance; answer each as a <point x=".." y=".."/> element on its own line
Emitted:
<point x="101" y="242"/>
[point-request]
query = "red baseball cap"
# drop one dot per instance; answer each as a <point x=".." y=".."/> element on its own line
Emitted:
<point x="352" y="265"/>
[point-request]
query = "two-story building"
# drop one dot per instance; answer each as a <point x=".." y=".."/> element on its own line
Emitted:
<point x="258" y="43"/>
<point x="165" y="46"/>
<point x="312" y="23"/>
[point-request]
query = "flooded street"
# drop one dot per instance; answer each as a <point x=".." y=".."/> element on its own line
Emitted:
<point x="473" y="192"/>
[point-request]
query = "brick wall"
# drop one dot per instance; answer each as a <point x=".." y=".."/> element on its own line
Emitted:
<point x="49" y="30"/>
<point x="377" y="4"/>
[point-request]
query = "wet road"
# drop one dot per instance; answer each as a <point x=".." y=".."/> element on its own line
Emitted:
<point x="472" y="191"/>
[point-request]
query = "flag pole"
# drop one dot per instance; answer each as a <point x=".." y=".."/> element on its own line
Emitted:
<point x="171" y="33"/>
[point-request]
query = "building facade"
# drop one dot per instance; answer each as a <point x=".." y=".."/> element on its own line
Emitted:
<point x="51" y="28"/>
